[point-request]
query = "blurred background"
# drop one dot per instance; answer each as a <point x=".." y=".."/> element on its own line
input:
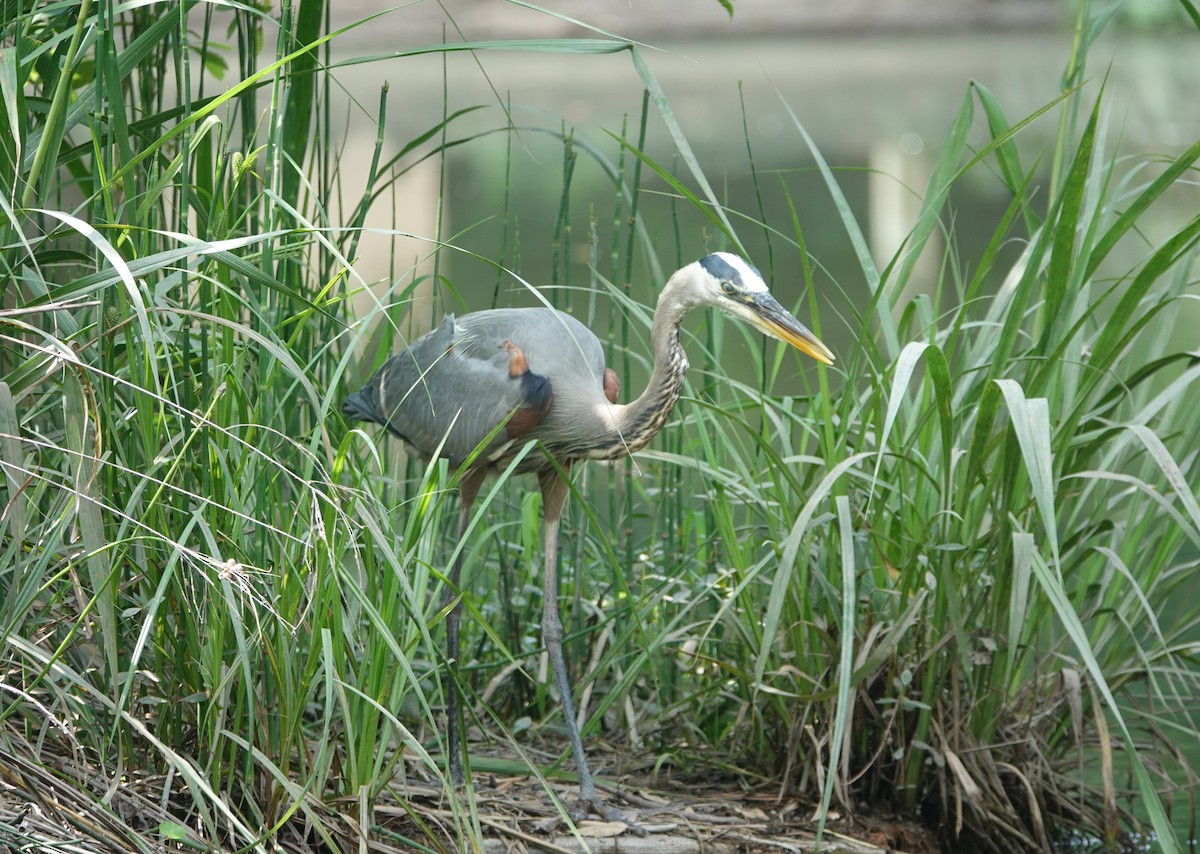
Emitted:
<point x="876" y="85"/>
<point x="196" y="555"/>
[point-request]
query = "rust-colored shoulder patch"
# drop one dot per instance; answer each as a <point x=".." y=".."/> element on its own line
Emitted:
<point x="517" y="365"/>
<point x="523" y="421"/>
<point x="612" y="385"/>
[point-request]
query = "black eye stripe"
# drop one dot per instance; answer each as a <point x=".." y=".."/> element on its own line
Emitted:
<point x="720" y="269"/>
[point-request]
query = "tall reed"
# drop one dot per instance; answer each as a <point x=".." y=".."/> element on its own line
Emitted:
<point x="950" y="574"/>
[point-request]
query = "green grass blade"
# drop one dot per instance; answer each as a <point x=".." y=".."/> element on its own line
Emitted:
<point x="1184" y="491"/>
<point x="844" y="708"/>
<point x="1023" y="546"/>
<point x="858" y="240"/>
<point x="1067" y="228"/>
<point x="1007" y="155"/>
<point x="937" y="191"/>
<point x="82" y="441"/>
<point x="1051" y="583"/>
<point x="781" y="581"/>
<point x="1192" y="12"/>
<point x="1030" y="418"/>
<point x="659" y="97"/>
<point x="41" y="170"/>
<point x="12" y="461"/>
<point x="1125" y="321"/>
<point x="1135" y="212"/>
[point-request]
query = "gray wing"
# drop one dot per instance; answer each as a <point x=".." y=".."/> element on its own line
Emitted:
<point x="464" y="378"/>
<point x="433" y="392"/>
<point x="563" y="351"/>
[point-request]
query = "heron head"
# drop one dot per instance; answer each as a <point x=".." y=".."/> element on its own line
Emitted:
<point x="732" y="285"/>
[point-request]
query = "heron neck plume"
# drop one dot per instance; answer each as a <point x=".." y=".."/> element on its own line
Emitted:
<point x="638" y="422"/>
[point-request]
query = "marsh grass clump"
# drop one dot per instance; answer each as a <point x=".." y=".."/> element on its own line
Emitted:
<point x="950" y="577"/>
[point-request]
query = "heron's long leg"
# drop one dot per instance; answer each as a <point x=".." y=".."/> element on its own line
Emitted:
<point x="467" y="490"/>
<point x="554" y="496"/>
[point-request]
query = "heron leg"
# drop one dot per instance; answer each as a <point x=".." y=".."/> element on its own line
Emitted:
<point x="468" y="489"/>
<point x="554" y="495"/>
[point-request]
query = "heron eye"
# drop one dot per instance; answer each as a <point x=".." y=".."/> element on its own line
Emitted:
<point x="728" y="287"/>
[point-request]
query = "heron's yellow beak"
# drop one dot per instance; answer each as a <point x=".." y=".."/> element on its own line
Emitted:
<point x="772" y="318"/>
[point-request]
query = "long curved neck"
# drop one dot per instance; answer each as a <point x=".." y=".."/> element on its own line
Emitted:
<point x="639" y="421"/>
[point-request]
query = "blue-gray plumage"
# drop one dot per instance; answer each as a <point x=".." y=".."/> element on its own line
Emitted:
<point x="453" y="386"/>
<point x="537" y="374"/>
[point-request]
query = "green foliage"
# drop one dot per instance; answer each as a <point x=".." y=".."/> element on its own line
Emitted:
<point x="934" y="576"/>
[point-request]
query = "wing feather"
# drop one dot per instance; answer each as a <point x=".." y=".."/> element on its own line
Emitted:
<point x="460" y="381"/>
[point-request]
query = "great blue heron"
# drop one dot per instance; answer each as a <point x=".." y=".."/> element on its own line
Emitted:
<point x="540" y="373"/>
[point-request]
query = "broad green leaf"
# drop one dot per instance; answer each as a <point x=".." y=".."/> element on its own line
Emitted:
<point x="844" y="707"/>
<point x="1018" y="605"/>
<point x="1030" y="419"/>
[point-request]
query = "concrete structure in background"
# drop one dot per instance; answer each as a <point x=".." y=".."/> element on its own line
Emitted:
<point x="692" y="19"/>
<point x="876" y="84"/>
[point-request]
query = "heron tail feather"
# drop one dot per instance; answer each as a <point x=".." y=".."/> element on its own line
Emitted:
<point x="360" y="407"/>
